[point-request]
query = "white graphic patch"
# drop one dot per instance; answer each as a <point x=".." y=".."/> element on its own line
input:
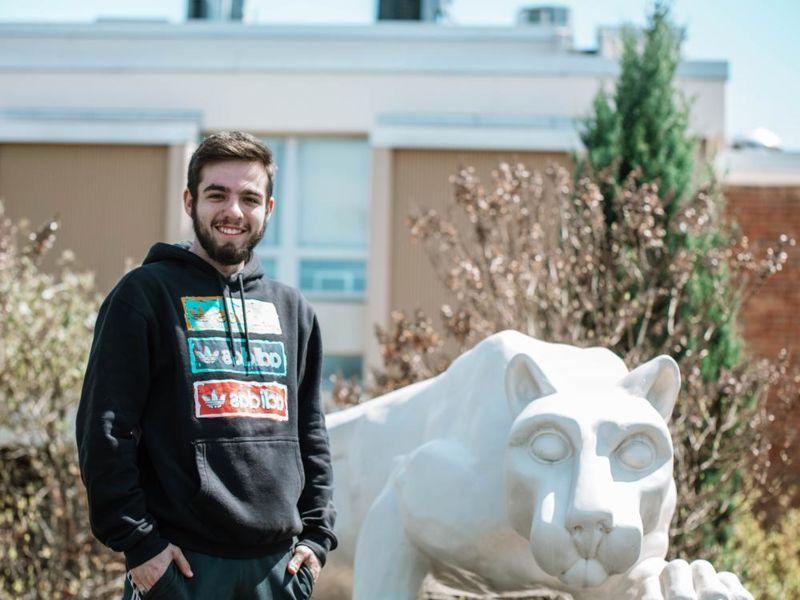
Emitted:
<point x="207" y="313"/>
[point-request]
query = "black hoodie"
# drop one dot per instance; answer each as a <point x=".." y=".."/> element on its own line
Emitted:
<point x="200" y="421"/>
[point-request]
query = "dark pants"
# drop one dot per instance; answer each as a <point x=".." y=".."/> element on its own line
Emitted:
<point x="264" y="578"/>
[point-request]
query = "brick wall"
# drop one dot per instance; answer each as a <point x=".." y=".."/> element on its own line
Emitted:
<point x="771" y="317"/>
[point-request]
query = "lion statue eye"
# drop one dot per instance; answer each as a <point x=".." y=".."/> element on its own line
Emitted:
<point x="550" y="447"/>
<point x="636" y="454"/>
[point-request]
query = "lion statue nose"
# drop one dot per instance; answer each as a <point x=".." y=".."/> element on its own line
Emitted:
<point x="587" y="529"/>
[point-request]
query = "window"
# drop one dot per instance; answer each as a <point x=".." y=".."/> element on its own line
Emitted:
<point x="317" y="238"/>
<point x="346" y="365"/>
<point x="343" y="277"/>
<point x="333" y="187"/>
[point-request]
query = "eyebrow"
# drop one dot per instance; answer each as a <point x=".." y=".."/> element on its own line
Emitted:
<point x="215" y="187"/>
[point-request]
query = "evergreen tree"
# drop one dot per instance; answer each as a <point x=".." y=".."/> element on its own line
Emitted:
<point x="631" y="255"/>
<point x="641" y="130"/>
<point x="643" y="127"/>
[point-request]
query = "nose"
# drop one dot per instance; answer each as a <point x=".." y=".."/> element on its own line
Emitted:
<point x="233" y="209"/>
<point x="582" y="520"/>
<point x="588" y="528"/>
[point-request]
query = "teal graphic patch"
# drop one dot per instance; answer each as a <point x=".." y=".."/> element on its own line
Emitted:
<point x="207" y="313"/>
<point x="213" y="355"/>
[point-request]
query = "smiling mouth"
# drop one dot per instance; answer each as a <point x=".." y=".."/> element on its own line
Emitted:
<point x="229" y="231"/>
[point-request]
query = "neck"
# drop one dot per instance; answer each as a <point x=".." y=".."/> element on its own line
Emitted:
<point x="226" y="270"/>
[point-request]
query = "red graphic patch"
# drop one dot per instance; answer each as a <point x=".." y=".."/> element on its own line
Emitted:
<point x="234" y="398"/>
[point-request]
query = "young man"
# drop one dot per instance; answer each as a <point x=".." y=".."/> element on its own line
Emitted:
<point x="201" y="437"/>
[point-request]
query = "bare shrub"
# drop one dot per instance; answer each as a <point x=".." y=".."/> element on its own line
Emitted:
<point x="534" y="252"/>
<point x="46" y="548"/>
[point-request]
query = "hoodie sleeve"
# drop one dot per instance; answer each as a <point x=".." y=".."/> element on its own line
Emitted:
<point x="316" y="501"/>
<point x="113" y="398"/>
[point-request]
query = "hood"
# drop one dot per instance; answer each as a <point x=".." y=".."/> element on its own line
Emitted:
<point x="180" y="252"/>
<point x="251" y="273"/>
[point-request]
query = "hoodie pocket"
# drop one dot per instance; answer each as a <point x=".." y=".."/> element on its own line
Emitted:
<point x="249" y="488"/>
<point x="169" y="586"/>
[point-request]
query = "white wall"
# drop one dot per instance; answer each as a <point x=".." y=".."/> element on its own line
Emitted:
<point x="287" y="80"/>
<point x="342" y="324"/>
<point x="323" y="79"/>
<point x="329" y="103"/>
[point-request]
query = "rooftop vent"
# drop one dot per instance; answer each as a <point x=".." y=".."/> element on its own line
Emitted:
<point x="558" y="16"/>
<point x="759" y="138"/>
<point x="412" y="10"/>
<point x="215" y="10"/>
<point x="550" y="23"/>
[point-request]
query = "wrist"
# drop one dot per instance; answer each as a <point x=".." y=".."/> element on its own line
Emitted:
<point x="149" y="546"/>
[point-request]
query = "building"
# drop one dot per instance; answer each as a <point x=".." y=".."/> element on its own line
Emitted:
<point x="97" y="122"/>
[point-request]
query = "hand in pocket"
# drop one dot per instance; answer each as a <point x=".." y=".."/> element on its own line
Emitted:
<point x="147" y="574"/>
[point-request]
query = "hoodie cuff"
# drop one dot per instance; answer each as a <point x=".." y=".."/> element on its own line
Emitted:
<point x="320" y="544"/>
<point x="148" y="547"/>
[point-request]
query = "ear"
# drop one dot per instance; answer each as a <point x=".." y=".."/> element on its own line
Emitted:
<point x="525" y="383"/>
<point x="658" y="381"/>
<point x="187" y="202"/>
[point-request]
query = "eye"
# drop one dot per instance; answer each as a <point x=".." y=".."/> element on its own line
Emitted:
<point x="636" y="453"/>
<point x="550" y="447"/>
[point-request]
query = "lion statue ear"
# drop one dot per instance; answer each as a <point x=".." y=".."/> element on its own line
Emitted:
<point x="658" y="381"/>
<point x="525" y="383"/>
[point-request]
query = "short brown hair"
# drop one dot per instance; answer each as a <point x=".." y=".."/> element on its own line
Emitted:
<point x="230" y="145"/>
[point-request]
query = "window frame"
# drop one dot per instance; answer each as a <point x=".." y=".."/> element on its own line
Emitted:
<point x="289" y="251"/>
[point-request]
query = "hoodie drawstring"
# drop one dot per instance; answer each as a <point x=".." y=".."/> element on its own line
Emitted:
<point x="229" y="323"/>
<point x="244" y="318"/>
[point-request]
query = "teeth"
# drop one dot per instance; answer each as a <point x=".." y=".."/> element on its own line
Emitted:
<point x="229" y="230"/>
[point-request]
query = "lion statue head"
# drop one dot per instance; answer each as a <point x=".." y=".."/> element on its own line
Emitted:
<point x="588" y="463"/>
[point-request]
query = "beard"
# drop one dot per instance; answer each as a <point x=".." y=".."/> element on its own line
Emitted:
<point x="227" y="253"/>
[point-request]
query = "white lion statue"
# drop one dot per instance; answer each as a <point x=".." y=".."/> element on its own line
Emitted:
<point x="526" y="466"/>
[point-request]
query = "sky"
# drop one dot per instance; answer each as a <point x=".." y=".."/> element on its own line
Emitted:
<point x="758" y="38"/>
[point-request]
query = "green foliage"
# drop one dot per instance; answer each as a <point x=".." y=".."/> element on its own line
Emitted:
<point x="644" y="129"/>
<point x="602" y="135"/>
<point x="46" y="548"/>
<point x="534" y="252"/>
<point x="644" y="132"/>
<point x="626" y="253"/>
<point x="766" y="558"/>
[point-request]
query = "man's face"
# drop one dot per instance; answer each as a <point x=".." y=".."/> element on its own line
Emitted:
<point x="231" y="210"/>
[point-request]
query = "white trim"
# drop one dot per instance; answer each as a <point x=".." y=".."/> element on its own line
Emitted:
<point x="475" y="120"/>
<point x="177" y="224"/>
<point x="475" y="131"/>
<point x="98" y="126"/>
<point x="378" y="48"/>
<point x="485" y="138"/>
<point x="381" y="31"/>
<point x="758" y="167"/>
<point x="316" y="252"/>
<point x="379" y="261"/>
<point x="760" y="178"/>
<point x="288" y="263"/>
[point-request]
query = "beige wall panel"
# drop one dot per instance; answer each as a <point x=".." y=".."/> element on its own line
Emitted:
<point x="110" y="199"/>
<point x="421" y="179"/>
